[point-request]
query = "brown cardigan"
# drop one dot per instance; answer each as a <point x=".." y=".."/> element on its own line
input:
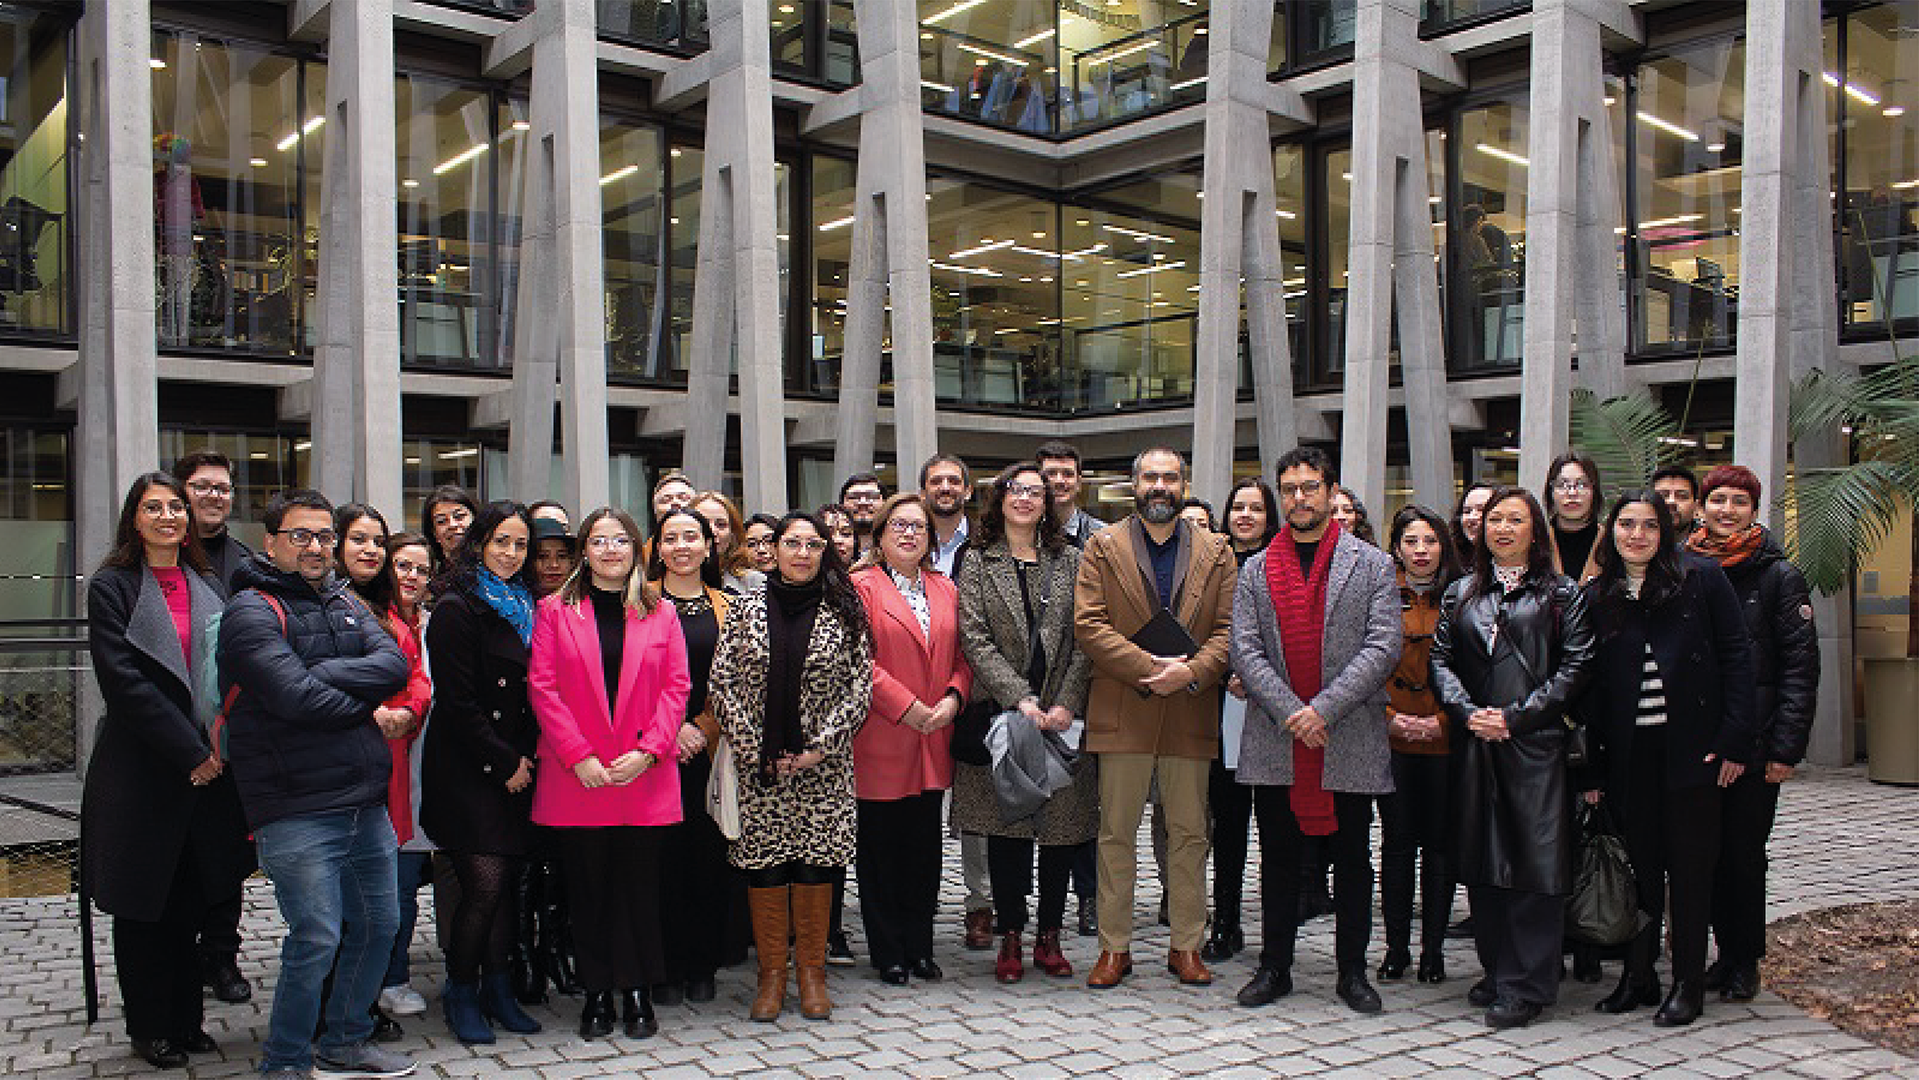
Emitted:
<point x="1410" y="689"/>
<point x="1112" y="599"/>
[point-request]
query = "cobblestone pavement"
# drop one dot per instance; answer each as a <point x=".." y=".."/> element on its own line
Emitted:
<point x="1840" y="840"/>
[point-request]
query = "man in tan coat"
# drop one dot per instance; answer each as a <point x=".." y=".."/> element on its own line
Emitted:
<point x="1153" y="716"/>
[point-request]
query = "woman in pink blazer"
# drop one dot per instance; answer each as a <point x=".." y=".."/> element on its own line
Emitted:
<point x="902" y="763"/>
<point x="607" y="677"/>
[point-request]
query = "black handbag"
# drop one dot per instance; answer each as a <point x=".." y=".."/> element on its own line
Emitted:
<point x="1604" y="907"/>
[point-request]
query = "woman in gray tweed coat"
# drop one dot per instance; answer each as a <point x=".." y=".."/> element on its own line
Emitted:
<point x="1017" y="572"/>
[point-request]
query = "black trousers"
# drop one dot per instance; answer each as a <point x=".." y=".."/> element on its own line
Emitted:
<point x="1231" y="804"/>
<point x="613" y="886"/>
<point x="1672" y="838"/>
<point x="1279" y="876"/>
<point x="1519" y="936"/>
<point x="1739" y="887"/>
<point x="696" y="884"/>
<point x="219" y="932"/>
<point x="1413" y="823"/>
<point x="1009" y="864"/>
<point x="158" y="963"/>
<point x="899" y="876"/>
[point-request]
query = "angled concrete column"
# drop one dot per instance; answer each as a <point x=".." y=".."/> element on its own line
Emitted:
<point x="1787" y="325"/>
<point x="736" y="299"/>
<point x="562" y="294"/>
<point x="889" y="250"/>
<point x="117" y="437"/>
<point x="1572" y="207"/>
<point x="356" y="366"/>
<point x="1391" y="257"/>
<point x="1238" y="238"/>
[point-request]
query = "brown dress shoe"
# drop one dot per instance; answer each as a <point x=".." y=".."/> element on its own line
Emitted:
<point x="979" y="930"/>
<point x="1111" y="968"/>
<point x="1190" y="969"/>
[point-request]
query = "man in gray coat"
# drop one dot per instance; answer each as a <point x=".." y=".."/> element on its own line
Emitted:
<point x="1316" y="634"/>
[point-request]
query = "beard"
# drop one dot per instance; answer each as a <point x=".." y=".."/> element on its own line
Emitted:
<point x="1157" y="509"/>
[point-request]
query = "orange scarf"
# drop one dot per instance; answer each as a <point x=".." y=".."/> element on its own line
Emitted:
<point x="1732" y="550"/>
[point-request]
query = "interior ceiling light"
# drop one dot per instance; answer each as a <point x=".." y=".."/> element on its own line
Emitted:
<point x="459" y="159"/>
<point x="990" y="54"/>
<point x="837" y="223"/>
<point x="1894" y="111"/>
<point x="619" y="174"/>
<point x="1035" y="39"/>
<point x="1187" y="83"/>
<point x="1676" y="219"/>
<point x="1155" y="268"/>
<point x="978" y="271"/>
<point x="1502" y="154"/>
<point x="1075" y="256"/>
<point x="939" y="87"/>
<point x="1853" y="91"/>
<point x="1667" y="126"/>
<point x="1035" y="252"/>
<point x="990" y="245"/>
<point x="1136" y="234"/>
<point x="963" y="5"/>
<point x="307" y="128"/>
<point x="157" y="64"/>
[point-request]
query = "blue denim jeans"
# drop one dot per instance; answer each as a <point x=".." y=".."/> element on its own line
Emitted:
<point x="329" y="870"/>
<point x="412" y="875"/>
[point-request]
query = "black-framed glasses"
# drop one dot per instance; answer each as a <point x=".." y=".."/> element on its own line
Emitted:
<point x="306" y="537"/>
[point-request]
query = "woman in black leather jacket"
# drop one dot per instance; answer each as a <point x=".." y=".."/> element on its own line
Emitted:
<point x="1671" y="711"/>
<point x="1512" y="651"/>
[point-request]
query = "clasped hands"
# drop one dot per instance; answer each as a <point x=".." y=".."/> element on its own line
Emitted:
<point x="624" y="770"/>
<point x="1170" y="676"/>
<point x="927" y="719"/>
<point x="1057" y="718"/>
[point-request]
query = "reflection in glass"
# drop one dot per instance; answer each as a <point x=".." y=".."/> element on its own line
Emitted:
<point x="1130" y="301"/>
<point x="1686" y="124"/>
<point x="684" y="166"/>
<point x="632" y="183"/>
<point x="262" y="465"/>
<point x="1336" y="180"/>
<point x="34" y="284"/>
<point x="831" y="219"/>
<point x="1326" y="25"/>
<point x="226" y="156"/>
<point x="1487" y="254"/>
<point x="1438" y="14"/>
<point x="994" y="263"/>
<point x="1879" y="236"/>
<point x="1289" y="202"/>
<point x="678" y="23"/>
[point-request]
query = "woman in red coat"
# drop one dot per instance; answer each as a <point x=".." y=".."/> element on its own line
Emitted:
<point x="607" y="677"/>
<point x="902" y="764"/>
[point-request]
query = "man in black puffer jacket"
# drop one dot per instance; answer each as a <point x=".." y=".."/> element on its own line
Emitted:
<point x="1778" y="609"/>
<point x="310" y="663"/>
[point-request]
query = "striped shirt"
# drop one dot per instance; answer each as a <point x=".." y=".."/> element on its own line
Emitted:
<point x="1652" y="694"/>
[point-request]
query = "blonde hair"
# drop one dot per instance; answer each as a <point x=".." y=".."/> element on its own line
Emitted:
<point x="733" y="560"/>
<point x="640" y="594"/>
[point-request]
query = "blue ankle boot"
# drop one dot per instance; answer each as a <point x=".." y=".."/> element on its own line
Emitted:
<point x="501" y="1007"/>
<point x="461" y="1001"/>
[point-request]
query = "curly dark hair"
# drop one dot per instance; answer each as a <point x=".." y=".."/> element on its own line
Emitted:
<point x="992" y="525"/>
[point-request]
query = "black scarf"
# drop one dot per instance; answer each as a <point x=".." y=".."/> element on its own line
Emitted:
<point x="790" y="611"/>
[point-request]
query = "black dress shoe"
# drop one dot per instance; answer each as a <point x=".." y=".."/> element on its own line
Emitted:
<point x="1683" y="1005"/>
<point x="895" y="975"/>
<point x="1357" y="993"/>
<point x="1432" y="968"/>
<point x="1632" y="992"/>
<point x="197" y="1042"/>
<point x="668" y="994"/>
<point x="926" y="970"/>
<point x="636" y="1014"/>
<point x="596" y="1018"/>
<point x="1742" y="983"/>
<point x="1268" y="986"/>
<point x="1224" y="943"/>
<point x="226" y="982"/>
<point x="1395" y="965"/>
<point x="1717" y="973"/>
<point x="161" y="1053"/>
<point x="1481" y="994"/>
<point x="1511" y="1014"/>
<point x="701" y="988"/>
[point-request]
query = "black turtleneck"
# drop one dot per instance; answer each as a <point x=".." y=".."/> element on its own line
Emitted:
<point x="790" y="613"/>
<point x="609" y="615"/>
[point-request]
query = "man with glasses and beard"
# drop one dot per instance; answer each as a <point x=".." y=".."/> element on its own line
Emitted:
<point x="1152" y="608"/>
<point x="861" y="494"/>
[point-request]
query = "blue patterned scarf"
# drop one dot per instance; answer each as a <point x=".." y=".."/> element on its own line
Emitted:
<point x="510" y="599"/>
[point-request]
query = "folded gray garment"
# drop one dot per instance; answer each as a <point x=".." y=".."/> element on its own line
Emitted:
<point x="1029" y="765"/>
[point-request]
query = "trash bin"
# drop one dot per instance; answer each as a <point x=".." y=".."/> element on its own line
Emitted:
<point x="1892" y="720"/>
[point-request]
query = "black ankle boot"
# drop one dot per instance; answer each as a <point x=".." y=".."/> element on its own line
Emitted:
<point x="636" y="1014"/>
<point x="1224" y="942"/>
<point x="1638" y="985"/>
<point x="596" y="1018"/>
<point x="1683" y="1005"/>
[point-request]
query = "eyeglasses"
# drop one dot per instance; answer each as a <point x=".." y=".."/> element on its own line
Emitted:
<point x="156" y="508"/>
<point x="615" y="543"/>
<point x="1572" y="486"/>
<point x="796" y="545"/>
<point x="202" y="488"/>
<point x="306" y="537"/>
<point x="1308" y="488"/>
<point x="1025" y="491"/>
<point x="403" y="568"/>
<point x="906" y="526"/>
<point x="862" y="497"/>
<point x="757" y="542"/>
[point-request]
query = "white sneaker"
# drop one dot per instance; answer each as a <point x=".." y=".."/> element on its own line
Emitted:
<point x="401" y="1001"/>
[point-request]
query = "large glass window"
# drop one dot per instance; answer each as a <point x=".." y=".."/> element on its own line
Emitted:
<point x="814" y="39"/>
<point x="995" y="261"/>
<point x="1879" y="233"/>
<point x="226" y="195"/>
<point x="1324" y="28"/>
<point x="1486" y="253"/>
<point x="831" y="222"/>
<point x="1139" y="56"/>
<point x="676" y="23"/>
<point x="1440" y="14"/>
<point x="35" y="281"/>
<point x="1130" y="304"/>
<point x="1289" y="208"/>
<point x="632" y="185"/>
<point x="1687" y="150"/>
<point x="1336" y="180"/>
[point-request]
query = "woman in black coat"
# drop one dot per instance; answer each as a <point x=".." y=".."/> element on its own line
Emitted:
<point x="162" y="834"/>
<point x="1512" y="650"/>
<point x="1671" y="707"/>
<point x="476" y="770"/>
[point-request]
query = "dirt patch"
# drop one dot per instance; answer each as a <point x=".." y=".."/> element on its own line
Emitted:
<point x="1856" y="967"/>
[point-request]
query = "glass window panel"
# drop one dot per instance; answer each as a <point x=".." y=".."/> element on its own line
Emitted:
<point x="1487" y="254"/>
<point x="831" y="218"/>
<point x="1130" y="304"/>
<point x="262" y="465"/>
<point x="1276" y="46"/>
<point x="995" y="266"/>
<point x="1336" y="180"/>
<point x="841" y="64"/>
<point x="790" y="32"/>
<point x="429" y="463"/>
<point x="1438" y="14"/>
<point x="1326" y="26"/>
<point x="679" y="23"/>
<point x="34" y="271"/>
<point x="1879" y="236"/>
<point x="309" y="149"/>
<point x="683" y="228"/>
<point x="990" y="62"/>
<point x="632" y="188"/>
<point x="1125" y="59"/>
<point x="1687" y="122"/>
<point x="36" y="530"/>
<point x="502" y="287"/>
<point x="1289" y="208"/>
<point x="226" y="195"/>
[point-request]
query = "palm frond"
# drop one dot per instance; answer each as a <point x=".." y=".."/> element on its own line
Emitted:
<point x="1628" y="437"/>
<point x="1823" y="402"/>
<point x="1838" y="515"/>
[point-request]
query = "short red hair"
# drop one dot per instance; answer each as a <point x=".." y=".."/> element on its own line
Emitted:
<point x="1732" y="476"/>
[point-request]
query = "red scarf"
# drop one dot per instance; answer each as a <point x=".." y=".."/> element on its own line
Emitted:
<point x="1300" y="604"/>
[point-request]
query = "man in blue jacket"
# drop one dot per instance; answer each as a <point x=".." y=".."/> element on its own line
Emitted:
<point x="310" y="664"/>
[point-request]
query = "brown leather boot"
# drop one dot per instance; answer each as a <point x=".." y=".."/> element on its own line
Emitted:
<point x="812" y="914"/>
<point x="769" y="909"/>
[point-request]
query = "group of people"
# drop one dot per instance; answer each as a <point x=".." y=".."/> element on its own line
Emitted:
<point x="619" y="757"/>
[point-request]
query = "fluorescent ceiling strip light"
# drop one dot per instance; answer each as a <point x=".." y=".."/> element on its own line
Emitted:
<point x="1187" y="83"/>
<point x="455" y="455"/>
<point x="1287" y="214"/>
<point x="1035" y="39"/>
<point x="1503" y="155"/>
<point x="1676" y="219"/>
<point x="1043" y="254"/>
<point x="1076" y="256"/>
<point x="963" y="5"/>
<point x="1905" y="185"/>
<point x="1123" y="53"/>
<point x="307" y="128"/>
<point x="980" y="271"/>
<point x="1049" y="322"/>
<point x="839" y="223"/>
<point x="982" y="249"/>
<point x="1124" y="231"/>
<point x="619" y="174"/>
<point x="459" y="159"/>
<point x="939" y="87"/>
<point x="1155" y="268"/>
<point x="990" y="54"/>
<point x="1667" y="126"/>
<point x="1856" y="93"/>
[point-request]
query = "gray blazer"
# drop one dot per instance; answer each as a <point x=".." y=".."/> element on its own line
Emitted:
<point x="1357" y="655"/>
